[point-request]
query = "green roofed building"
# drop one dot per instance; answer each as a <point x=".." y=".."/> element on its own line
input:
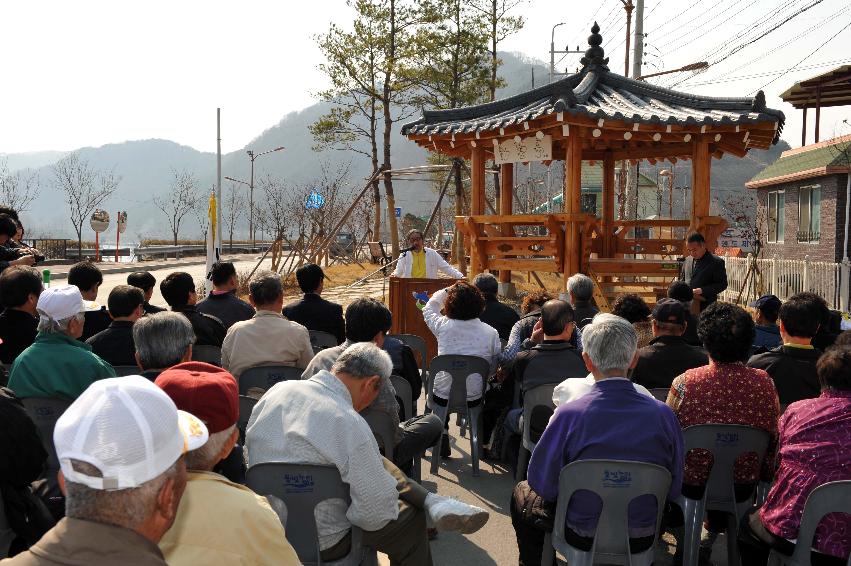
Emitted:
<point x="592" y="191"/>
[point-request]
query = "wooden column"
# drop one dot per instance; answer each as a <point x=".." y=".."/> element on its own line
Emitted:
<point x="700" y="166"/>
<point x="818" y="114"/>
<point x="572" y="199"/>
<point x="506" y="201"/>
<point x="608" y="215"/>
<point x="477" y="202"/>
<point x="804" y="128"/>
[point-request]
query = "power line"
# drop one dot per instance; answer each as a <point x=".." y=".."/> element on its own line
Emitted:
<point x="813" y="52"/>
<point x="705" y="23"/>
<point x="769" y="73"/>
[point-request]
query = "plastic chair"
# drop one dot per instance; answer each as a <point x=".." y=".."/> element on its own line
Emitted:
<point x="381" y="425"/>
<point x="538" y="396"/>
<point x="320" y="340"/>
<point x="417" y="344"/>
<point x="660" y="393"/>
<point x="264" y="377"/>
<point x="208" y="354"/>
<point x="832" y="497"/>
<point x="617" y="483"/>
<point x="121" y="371"/>
<point x="404" y="397"/>
<point x="246" y="405"/>
<point x="726" y="442"/>
<point x="459" y="367"/>
<point x="302" y="487"/>
<point x="45" y="411"/>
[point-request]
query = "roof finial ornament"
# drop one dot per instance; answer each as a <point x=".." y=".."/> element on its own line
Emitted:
<point x="594" y="56"/>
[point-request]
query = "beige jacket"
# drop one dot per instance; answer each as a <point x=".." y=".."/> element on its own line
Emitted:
<point x="223" y="523"/>
<point x="266" y="339"/>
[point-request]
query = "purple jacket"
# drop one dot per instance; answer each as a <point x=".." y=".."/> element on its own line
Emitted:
<point x="612" y="422"/>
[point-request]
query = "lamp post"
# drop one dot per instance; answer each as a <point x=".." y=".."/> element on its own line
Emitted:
<point x="252" y="156"/>
<point x="553" y="50"/>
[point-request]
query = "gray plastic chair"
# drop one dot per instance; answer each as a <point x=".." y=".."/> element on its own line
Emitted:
<point x="726" y="443"/>
<point x="404" y="396"/>
<point x="320" y="340"/>
<point x="246" y="405"/>
<point x="44" y="412"/>
<point x="302" y="487"/>
<point x="121" y="371"/>
<point x="617" y="483"/>
<point x="264" y="377"/>
<point x="660" y="393"/>
<point x="832" y="497"/>
<point x="459" y="367"/>
<point x="417" y="344"/>
<point x="381" y="425"/>
<point x="539" y="396"/>
<point x="208" y="354"/>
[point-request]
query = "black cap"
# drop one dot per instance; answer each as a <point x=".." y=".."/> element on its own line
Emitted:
<point x="767" y="303"/>
<point x="680" y="291"/>
<point x="670" y="310"/>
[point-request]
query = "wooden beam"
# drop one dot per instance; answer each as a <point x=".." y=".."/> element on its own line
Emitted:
<point x="700" y="168"/>
<point x="818" y="114"/>
<point x="477" y="180"/>
<point x="804" y="128"/>
<point x="608" y="215"/>
<point x="572" y="203"/>
<point x="506" y="200"/>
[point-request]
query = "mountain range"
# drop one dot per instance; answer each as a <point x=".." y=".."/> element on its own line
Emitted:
<point x="145" y="167"/>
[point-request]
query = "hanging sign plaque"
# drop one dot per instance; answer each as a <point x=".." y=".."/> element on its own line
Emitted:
<point x="519" y="150"/>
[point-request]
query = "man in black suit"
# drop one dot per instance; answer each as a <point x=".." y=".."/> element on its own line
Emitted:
<point x="145" y="281"/>
<point x="500" y="316"/>
<point x="178" y="290"/>
<point x="705" y="273"/>
<point x="88" y="279"/>
<point x="115" y="344"/>
<point x="313" y="312"/>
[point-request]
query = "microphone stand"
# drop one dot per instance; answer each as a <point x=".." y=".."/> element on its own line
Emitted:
<point x="382" y="269"/>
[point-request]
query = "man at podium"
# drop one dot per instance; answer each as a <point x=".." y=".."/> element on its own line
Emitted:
<point x="418" y="261"/>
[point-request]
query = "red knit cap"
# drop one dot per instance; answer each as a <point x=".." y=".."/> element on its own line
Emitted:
<point x="204" y="390"/>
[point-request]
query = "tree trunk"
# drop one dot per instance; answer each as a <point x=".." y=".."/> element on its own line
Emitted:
<point x="460" y="255"/>
<point x="80" y="245"/>
<point x="388" y="128"/>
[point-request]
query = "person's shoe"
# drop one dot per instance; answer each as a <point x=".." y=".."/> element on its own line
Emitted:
<point x="445" y="449"/>
<point x="452" y="515"/>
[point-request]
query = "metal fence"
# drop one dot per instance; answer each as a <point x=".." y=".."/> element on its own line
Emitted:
<point x="751" y="278"/>
<point x="52" y="248"/>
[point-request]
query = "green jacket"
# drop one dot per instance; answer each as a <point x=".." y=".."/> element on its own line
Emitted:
<point x="56" y="366"/>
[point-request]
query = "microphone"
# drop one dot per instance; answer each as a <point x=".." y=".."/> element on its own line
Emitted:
<point x="405" y="250"/>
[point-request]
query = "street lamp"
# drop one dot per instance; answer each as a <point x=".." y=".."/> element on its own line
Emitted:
<point x="553" y="50"/>
<point x="252" y="156"/>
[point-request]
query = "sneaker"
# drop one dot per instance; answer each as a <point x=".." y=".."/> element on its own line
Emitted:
<point x="452" y="515"/>
<point x="445" y="449"/>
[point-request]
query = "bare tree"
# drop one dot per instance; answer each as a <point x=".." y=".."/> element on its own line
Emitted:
<point x="201" y="213"/>
<point x="18" y="189"/>
<point x="181" y="199"/>
<point x="232" y="209"/>
<point x="85" y="189"/>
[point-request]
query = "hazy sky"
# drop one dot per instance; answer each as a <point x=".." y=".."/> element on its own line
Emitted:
<point x="91" y="72"/>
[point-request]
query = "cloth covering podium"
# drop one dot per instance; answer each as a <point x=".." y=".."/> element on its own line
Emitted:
<point x="408" y="296"/>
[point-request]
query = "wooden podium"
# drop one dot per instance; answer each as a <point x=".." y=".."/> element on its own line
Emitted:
<point x="407" y="298"/>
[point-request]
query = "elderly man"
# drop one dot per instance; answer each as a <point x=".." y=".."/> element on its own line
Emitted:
<point x="222" y="301"/>
<point x="580" y="290"/>
<point x="115" y="344"/>
<point x="120" y="446"/>
<point x="88" y="278"/>
<point x="593" y="428"/>
<point x="162" y="340"/>
<point x="681" y="292"/>
<point x="178" y="290"/>
<point x="58" y="364"/>
<point x="268" y="338"/>
<point x="766" y="310"/>
<point x="145" y="281"/>
<point x="668" y="355"/>
<point x="199" y="536"/>
<point x="792" y="366"/>
<point x="312" y="311"/>
<point x="316" y="421"/>
<point x="420" y="261"/>
<point x="500" y="316"/>
<point x="368" y="321"/>
<point x="20" y="288"/>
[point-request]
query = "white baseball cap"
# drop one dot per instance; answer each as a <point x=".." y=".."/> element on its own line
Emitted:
<point x="128" y="429"/>
<point x="59" y="303"/>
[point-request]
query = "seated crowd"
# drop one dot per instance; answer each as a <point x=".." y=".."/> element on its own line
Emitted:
<point x="147" y="465"/>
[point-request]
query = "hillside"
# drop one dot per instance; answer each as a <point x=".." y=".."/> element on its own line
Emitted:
<point x="145" y="166"/>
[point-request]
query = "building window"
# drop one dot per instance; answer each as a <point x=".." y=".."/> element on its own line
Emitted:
<point x="809" y="213"/>
<point x="776" y="214"/>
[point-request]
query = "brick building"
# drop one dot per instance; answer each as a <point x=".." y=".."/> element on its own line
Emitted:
<point x="802" y="200"/>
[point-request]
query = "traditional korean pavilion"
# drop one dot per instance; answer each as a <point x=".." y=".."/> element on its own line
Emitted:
<point x="593" y="115"/>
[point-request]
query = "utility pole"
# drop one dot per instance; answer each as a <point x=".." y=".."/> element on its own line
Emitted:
<point x="567" y="51"/>
<point x="638" y="55"/>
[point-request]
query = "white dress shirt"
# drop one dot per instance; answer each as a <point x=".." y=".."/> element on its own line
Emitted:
<point x="434" y="263"/>
<point x="573" y="388"/>
<point x="313" y="421"/>
<point x="466" y="337"/>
